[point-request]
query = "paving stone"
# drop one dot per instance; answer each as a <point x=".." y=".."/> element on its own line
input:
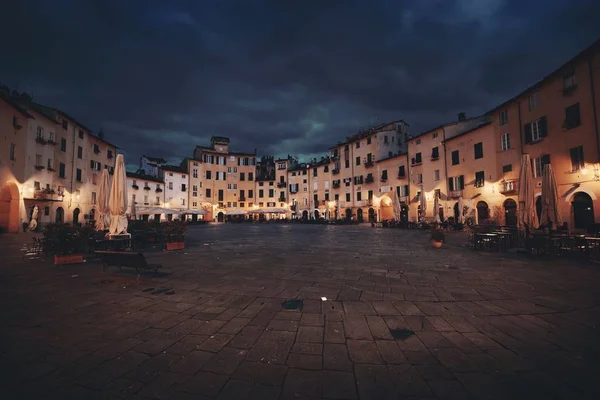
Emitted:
<point x="186" y="345"/>
<point x="356" y="327"/>
<point x="305" y="361"/>
<point x="247" y="337"/>
<point x="312" y="319"/>
<point x="310" y="334"/>
<point x="225" y="361"/>
<point x="334" y="332"/>
<point x="302" y="384"/>
<point x="363" y="352"/>
<point x="390" y="352"/>
<point x="191" y="363"/>
<point x="215" y="343"/>
<point x="408" y="381"/>
<point x="308" y="348"/>
<point x="378" y="327"/>
<point x="272" y="346"/>
<point x="339" y="385"/>
<point x="374" y="382"/>
<point x="205" y="383"/>
<point x="209" y="327"/>
<point x="283" y="325"/>
<point x="234" y="326"/>
<point x="264" y="373"/>
<point x="335" y="357"/>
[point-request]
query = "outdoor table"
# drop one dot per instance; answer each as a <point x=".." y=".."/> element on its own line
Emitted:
<point x="592" y="245"/>
<point x="506" y="238"/>
<point x="489" y="240"/>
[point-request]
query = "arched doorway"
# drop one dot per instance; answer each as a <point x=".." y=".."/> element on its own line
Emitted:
<point x="348" y="214"/>
<point x="404" y="213"/>
<point x="145" y="217"/>
<point x="510" y="212"/>
<point x="372" y="215"/>
<point x="583" y="211"/>
<point x="76" y="216"/>
<point x="483" y="211"/>
<point x="194" y="217"/>
<point x="220" y="217"/>
<point x="359" y="215"/>
<point x="316" y="213"/>
<point x="9" y="207"/>
<point x="456" y="212"/>
<point x="387" y="209"/>
<point x="60" y="216"/>
<point x="305" y="215"/>
<point x="538" y="209"/>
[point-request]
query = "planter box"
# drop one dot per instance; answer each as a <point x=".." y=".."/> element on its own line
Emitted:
<point x="68" y="259"/>
<point x="175" y="246"/>
<point x="437" y="243"/>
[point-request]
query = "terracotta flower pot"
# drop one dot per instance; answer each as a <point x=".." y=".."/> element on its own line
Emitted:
<point x="68" y="259"/>
<point x="437" y="243"/>
<point x="175" y="246"/>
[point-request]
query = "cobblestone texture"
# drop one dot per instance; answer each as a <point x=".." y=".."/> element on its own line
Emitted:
<point x="486" y="326"/>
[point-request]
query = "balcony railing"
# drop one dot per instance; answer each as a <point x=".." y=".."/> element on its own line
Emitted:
<point x="158" y="190"/>
<point x="383" y="179"/>
<point x="48" y="194"/>
<point x="281" y="199"/>
<point x="335" y="157"/>
<point x="335" y="171"/>
<point x="336" y="185"/>
<point x="39" y="167"/>
<point x="242" y="198"/>
<point x="401" y="176"/>
<point x="454" y="194"/>
<point x="281" y="184"/>
<point x="136" y="187"/>
<point x="41" y="140"/>
<point x="369" y="179"/>
<point x="146" y="187"/>
<point x="509" y="187"/>
<point x="51" y="142"/>
<point x="369" y="163"/>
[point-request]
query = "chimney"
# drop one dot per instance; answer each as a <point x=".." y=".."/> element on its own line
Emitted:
<point x="462" y="116"/>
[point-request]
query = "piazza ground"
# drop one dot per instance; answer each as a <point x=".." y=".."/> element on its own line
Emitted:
<point x="465" y="324"/>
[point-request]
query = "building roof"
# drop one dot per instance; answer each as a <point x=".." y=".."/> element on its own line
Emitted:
<point x="158" y="160"/>
<point x="370" y="131"/>
<point x="16" y="106"/>
<point x="141" y="176"/>
<point x="219" y="139"/>
<point x="88" y="130"/>
<point x="392" y="156"/>
<point x="174" y="168"/>
<point x="481" y="125"/>
<point x="582" y="55"/>
<point x="442" y="126"/>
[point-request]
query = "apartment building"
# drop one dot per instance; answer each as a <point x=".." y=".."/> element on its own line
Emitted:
<point x="556" y="121"/>
<point x="319" y="174"/>
<point x="54" y="163"/>
<point x="393" y="177"/>
<point x="146" y="191"/>
<point x="281" y="179"/>
<point x="228" y="178"/>
<point x="355" y="174"/>
<point x="299" y="196"/>
<point x="152" y="166"/>
<point x="176" y="185"/>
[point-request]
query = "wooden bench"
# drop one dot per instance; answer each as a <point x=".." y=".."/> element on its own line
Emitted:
<point x="126" y="259"/>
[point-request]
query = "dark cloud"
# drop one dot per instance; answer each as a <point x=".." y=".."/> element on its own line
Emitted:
<point x="281" y="76"/>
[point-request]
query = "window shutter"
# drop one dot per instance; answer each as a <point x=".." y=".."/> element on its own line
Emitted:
<point x="406" y="192"/>
<point x="543" y="123"/>
<point x="546" y="159"/>
<point x="461" y="182"/>
<point x="224" y="160"/>
<point x="528" y="136"/>
<point x="239" y="161"/>
<point x="450" y="184"/>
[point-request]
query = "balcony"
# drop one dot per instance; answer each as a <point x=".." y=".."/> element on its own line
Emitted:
<point x="509" y="187"/>
<point x="435" y="158"/>
<point x="242" y="198"/>
<point x="335" y="157"/>
<point x="41" y="140"/>
<point x="336" y="185"/>
<point x="47" y="194"/>
<point x="383" y="178"/>
<point x="39" y="167"/>
<point x="147" y="188"/>
<point x="455" y="194"/>
<point x="335" y="171"/>
<point x="136" y="187"/>
<point x="369" y="179"/>
<point x="51" y="142"/>
<point x="158" y="190"/>
<point x="281" y="199"/>
<point x="281" y="184"/>
<point x="369" y="163"/>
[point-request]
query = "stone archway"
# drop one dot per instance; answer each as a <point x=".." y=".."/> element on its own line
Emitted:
<point x="9" y="207"/>
<point x="220" y="217"/>
<point x="359" y="215"/>
<point x="305" y="215"/>
<point x="387" y="208"/>
<point x="372" y="215"/>
<point x="76" y="213"/>
<point x="483" y="211"/>
<point x="348" y="214"/>
<point x="510" y="212"/>
<point x="583" y="211"/>
<point x="316" y="213"/>
<point x="60" y="216"/>
<point x="209" y="209"/>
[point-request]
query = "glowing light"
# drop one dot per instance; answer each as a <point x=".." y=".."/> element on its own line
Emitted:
<point x="323" y="298"/>
<point x="584" y="171"/>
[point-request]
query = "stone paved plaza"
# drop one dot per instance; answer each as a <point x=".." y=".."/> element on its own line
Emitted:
<point x="465" y="325"/>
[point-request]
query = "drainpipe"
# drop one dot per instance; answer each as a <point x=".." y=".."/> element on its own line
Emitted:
<point x="594" y="108"/>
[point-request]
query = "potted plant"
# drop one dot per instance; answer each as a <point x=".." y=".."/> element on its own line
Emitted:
<point x="69" y="242"/>
<point x="174" y="232"/>
<point x="437" y="237"/>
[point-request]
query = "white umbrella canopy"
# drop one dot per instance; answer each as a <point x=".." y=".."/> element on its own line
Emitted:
<point x="103" y="217"/>
<point x="117" y="202"/>
<point x="461" y="210"/>
<point x="397" y="208"/>
<point x="236" y="212"/>
<point x="550" y="214"/>
<point x="423" y="203"/>
<point x="526" y="210"/>
<point x="436" y="209"/>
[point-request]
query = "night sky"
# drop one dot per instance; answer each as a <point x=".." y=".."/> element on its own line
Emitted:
<point x="283" y="76"/>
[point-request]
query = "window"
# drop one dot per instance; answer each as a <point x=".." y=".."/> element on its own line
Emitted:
<point x="250" y="193"/>
<point x="79" y="152"/>
<point x="479" y="178"/>
<point x="78" y="175"/>
<point x="419" y="178"/>
<point x="478" y="150"/>
<point x="401" y="171"/>
<point x="229" y="170"/>
<point x="572" y="117"/>
<point x="358" y="144"/>
<point x="577" y="162"/>
<point x="183" y="187"/>
<point x="250" y="176"/>
<point x="369" y="140"/>
<point x="384" y="175"/>
<point x="40" y="132"/>
<point x="455" y="158"/>
<point x="503" y="117"/>
<point x="569" y="81"/>
<point x="63" y="145"/>
<point x="208" y="175"/>
<point x="536" y="130"/>
<point x="221" y="194"/>
<point x="435" y="153"/>
<point x="506" y="168"/>
<point x="505" y="141"/>
<point x="65" y="124"/>
<point x="436" y="175"/>
<point x="208" y="194"/>
<point x="38" y="160"/>
<point x="358" y="196"/>
<point x="347" y="196"/>
<point x="50" y="165"/>
<point x="242" y="176"/>
<point x="435" y="135"/>
<point x="195" y="173"/>
<point x="418" y="159"/>
<point x="93" y="197"/>
<point x="385" y="139"/>
<point x="326" y="169"/>
<point x="80" y="134"/>
<point x="347" y="164"/>
<point x="539" y="163"/>
<point x="418" y="141"/>
<point x="533" y="101"/>
<point x="261" y="193"/>
<point x="12" y="152"/>
<point x="456" y="183"/>
<point x="358" y="160"/>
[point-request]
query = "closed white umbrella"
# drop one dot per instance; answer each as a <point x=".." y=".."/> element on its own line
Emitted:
<point x="34" y="214"/>
<point x="103" y="217"/>
<point x="527" y="217"/>
<point x="550" y="214"/>
<point x="396" y="206"/>
<point x="423" y="203"/>
<point x="461" y="210"/>
<point x="117" y="203"/>
<point x="436" y="209"/>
